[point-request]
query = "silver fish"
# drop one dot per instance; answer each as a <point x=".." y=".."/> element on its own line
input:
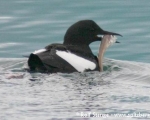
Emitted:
<point x="107" y="41"/>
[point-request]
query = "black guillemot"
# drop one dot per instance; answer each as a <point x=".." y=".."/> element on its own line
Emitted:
<point x="74" y="55"/>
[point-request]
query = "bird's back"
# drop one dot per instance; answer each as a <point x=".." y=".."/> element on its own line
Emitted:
<point x="63" y="58"/>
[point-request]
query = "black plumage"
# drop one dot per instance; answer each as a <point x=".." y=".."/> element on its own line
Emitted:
<point x="76" y="41"/>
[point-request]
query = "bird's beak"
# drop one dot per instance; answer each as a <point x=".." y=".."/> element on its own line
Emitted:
<point x="103" y="32"/>
<point x="110" y="33"/>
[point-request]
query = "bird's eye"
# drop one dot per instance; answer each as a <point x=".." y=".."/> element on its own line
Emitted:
<point x="92" y="29"/>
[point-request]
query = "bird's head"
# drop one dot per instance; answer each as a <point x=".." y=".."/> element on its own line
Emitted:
<point x="84" y="32"/>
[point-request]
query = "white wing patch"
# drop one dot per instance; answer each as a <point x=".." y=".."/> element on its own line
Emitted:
<point x="79" y="63"/>
<point x="39" y="51"/>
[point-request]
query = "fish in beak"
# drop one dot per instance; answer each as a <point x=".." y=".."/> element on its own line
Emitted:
<point x="103" y="32"/>
<point x="106" y="41"/>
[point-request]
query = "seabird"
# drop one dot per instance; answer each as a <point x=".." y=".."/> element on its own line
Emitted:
<point x="74" y="54"/>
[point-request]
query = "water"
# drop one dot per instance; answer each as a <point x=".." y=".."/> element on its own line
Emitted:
<point x="123" y="87"/>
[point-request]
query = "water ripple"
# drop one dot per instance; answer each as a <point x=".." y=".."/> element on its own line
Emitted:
<point x="7" y="45"/>
<point x="122" y="84"/>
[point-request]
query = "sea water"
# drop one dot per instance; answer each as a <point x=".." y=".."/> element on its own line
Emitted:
<point x="121" y="91"/>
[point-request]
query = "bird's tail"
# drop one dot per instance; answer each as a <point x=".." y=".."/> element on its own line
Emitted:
<point x="35" y="64"/>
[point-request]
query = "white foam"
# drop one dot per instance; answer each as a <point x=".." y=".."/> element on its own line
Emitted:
<point x="79" y="63"/>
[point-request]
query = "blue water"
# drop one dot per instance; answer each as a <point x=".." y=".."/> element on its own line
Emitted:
<point x="123" y="87"/>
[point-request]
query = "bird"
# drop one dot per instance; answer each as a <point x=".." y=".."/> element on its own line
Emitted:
<point x="74" y="54"/>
